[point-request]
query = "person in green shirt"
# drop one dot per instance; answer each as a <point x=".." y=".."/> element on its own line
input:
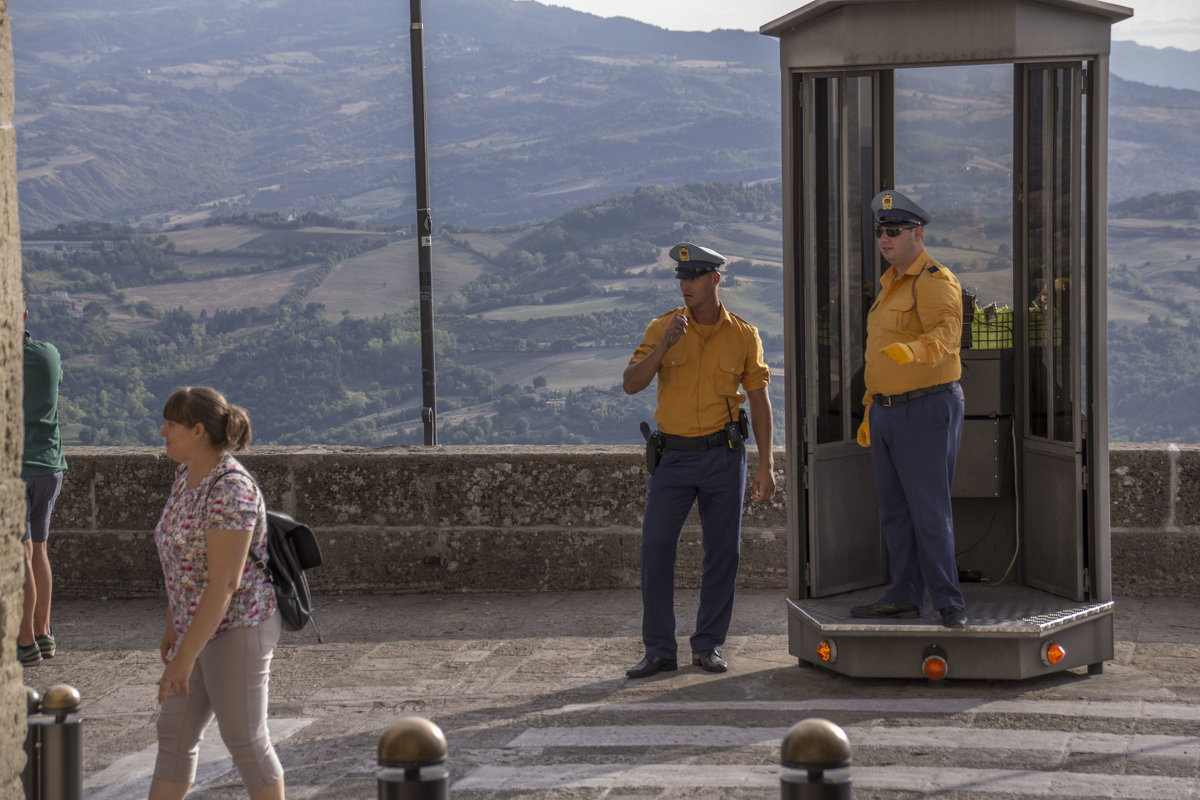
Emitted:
<point x="42" y="468"/>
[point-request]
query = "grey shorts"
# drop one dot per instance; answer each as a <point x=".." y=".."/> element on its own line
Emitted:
<point x="40" y="493"/>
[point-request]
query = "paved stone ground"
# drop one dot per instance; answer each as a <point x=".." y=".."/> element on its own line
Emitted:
<point x="531" y="693"/>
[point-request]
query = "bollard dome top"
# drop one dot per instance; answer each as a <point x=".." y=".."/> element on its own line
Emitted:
<point x="33" y="700"/>
<point x="815" y="744"/>
<point x="61" y="697"/>
<point x="412" y="742"/>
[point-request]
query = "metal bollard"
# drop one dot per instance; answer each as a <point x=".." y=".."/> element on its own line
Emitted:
<point x="815" y="745"/>
<point x="33" y="750"/>
<point x="54" y="745"/>
<point x="412" y="756"/>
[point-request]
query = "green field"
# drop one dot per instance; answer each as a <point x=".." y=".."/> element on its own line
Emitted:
<point x="491" y="243"/>
<point x="386" y="281"/>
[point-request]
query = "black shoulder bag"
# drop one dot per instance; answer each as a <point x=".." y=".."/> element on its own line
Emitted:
<point x="291" y="549"/>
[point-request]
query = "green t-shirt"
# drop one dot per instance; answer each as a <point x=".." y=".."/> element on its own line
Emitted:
<point x="43" y="444"/>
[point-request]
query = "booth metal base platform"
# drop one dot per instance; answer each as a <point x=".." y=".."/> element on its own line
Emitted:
<point x="1009" y="629"/>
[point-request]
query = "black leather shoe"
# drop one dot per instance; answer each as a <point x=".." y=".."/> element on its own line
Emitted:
<point x="709" y="661"/>
<point x="954" y="617"/>
<point x="886" y="608"/>
<point x="652" y="665"/>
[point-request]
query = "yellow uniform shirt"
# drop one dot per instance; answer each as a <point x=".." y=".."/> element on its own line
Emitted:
<point x="921" y="307"/>
<point x="698" y="375"/>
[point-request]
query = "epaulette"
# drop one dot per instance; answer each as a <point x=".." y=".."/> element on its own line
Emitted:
<point x="933" y="269"/>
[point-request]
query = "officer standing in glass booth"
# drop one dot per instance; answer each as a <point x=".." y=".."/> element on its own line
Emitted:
<point x="913" y="418"/>
<point x="701" y="354"/>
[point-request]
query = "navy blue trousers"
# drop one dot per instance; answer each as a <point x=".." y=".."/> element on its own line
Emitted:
<point x="914" y="447"/>
<point x="716" y="479"/>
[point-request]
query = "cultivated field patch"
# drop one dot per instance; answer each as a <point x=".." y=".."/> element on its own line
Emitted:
<point x="228" y="293"/>
<point x="217" y="237"/>
<point x="202" y="264"/>
<point x="588" y="306"/>
<point x="386" y="281"/>
<point x="600" y="366"/>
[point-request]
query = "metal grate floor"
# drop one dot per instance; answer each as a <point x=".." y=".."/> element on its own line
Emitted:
<point x="1000" y="610"/>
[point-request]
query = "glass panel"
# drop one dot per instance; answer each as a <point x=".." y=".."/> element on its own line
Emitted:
<point x="827" y="172"/>
<point x="1055" y="226"/>
<point x="1066" y="225"/>
<point x="954" y="156"/>
<point x="1038" y="204"/>
<point x="1086" y="257"/>
<point x="861" y="263"/>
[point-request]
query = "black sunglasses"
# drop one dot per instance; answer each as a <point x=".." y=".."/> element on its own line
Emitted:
<point x="893" y="231"/>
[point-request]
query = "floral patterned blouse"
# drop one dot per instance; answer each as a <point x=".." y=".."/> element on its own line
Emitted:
<point x="234" y="503"/>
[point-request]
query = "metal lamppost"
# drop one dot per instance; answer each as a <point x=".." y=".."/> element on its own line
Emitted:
<point x="424" y="225"/>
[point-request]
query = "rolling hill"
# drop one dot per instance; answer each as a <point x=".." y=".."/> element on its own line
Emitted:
<point x="157" y="112"/>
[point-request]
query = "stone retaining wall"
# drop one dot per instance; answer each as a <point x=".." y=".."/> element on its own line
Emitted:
<point x="450" y="519"/>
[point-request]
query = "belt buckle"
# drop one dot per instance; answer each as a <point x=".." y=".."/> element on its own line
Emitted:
<point x="885" y="400"/>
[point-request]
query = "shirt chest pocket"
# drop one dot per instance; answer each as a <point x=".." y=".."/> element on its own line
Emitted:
<point x="729" y="375"/>
<point x="899" y="312"/>
<point x="676" y="368"/>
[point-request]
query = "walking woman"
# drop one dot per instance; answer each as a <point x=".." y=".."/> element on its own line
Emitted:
<point x="222" y="624"/>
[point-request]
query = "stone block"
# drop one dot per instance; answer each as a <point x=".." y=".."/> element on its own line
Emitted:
<point x="75" y="505"/>
<point x="129" y="486"/>
<point x="1187" y="489"/>
<point x="1157" y="563"/>
<point x="371" y="560"/>
<point x="90" y="565"/>
<point x="1139" y="485"/>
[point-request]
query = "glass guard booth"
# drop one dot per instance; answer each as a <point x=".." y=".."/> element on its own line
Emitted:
<point x="1031" y="486"/>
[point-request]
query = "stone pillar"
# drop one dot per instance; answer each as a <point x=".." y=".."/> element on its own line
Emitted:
<point x="12" y="489"/>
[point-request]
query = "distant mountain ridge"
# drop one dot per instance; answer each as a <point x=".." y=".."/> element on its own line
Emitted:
<point x="156" y="112"/>
<point x="1170" y="67"/>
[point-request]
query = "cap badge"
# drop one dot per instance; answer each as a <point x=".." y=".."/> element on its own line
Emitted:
<point x="887" y="202"/>
<point x="684" y="255"/>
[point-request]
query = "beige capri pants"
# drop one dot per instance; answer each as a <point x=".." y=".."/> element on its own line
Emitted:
<point x="230" y="682"/>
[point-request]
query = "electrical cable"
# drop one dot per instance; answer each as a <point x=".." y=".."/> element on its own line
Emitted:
<point x="1017" y="518"/>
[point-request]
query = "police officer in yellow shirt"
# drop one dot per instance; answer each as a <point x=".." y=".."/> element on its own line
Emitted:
<point x="914" y="414"/>
<point x="701" y="354"/>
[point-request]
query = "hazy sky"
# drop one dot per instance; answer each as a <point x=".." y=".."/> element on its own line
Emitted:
<point x="1157" y="23"/>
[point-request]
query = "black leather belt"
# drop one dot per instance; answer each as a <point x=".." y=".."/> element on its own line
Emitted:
<point x="718" y="439"/>
<point x="886" y="400"/>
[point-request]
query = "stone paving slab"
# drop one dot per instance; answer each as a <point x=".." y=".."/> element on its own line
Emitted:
<point x="531" y="693"/>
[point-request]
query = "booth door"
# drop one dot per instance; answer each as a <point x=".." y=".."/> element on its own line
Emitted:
<point x="838" y="159"/>
<point x="1051" y="235"/>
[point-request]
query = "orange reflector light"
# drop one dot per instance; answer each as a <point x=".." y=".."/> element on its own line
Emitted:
<point x="824" y="651"/>
<point x="1053" y="653"/>
<point x="934" y="667"/>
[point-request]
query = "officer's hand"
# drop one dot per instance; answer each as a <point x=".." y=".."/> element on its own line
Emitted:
<point x="864" y="433"/>
<point x="764" y="485"/>
<point x="676" y="328"/>
<point x="899" y="352"/>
